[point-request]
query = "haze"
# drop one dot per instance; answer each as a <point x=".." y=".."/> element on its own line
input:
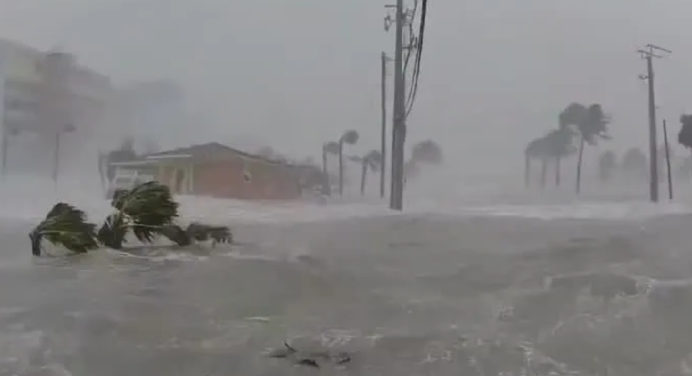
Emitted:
<point x="292" y="74"/>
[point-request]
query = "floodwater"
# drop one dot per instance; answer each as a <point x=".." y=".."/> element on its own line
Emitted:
<point x="416" y="294"/>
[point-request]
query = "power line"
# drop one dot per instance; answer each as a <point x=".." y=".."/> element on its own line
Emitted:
<point x="419" y="55"/>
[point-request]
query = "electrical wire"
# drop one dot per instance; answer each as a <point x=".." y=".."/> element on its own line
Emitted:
<point x="419" y="54"/>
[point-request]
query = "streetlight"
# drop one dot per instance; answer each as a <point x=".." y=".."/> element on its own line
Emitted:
<point x="68" y="128"/>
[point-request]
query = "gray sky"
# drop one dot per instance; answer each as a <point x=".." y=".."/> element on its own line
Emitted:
<point x="293" y="73"/>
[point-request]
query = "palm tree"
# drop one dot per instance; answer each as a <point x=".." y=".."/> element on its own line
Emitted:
<point x="685" y="135"/>
<point x="606" y="165"/>
<point x="327" y="148"/>
<point x="349" y="137"/>
<point x="536" y="149"/>
<point x="590" y="122"/>
<point x="634" y="164"/>
<point x="65" y="226"/>
<point x="426" y="152"/>
<point x="147" y="210"/>
<point x="559" y="145"/>
<point x="372" y="161"/>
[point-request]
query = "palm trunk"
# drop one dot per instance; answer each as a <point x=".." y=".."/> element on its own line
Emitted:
<point x="326" y="187"/>
<point x="557" y="171"/>
<point x="363" y="176"/>
<point x="581" y="153"/>
<point x="527" y="169"/>
<point x="341" y="168"/>
<point x="544" y="171"/>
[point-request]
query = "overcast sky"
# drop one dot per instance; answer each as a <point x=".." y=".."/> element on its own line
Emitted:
<point x="294" y="73"/>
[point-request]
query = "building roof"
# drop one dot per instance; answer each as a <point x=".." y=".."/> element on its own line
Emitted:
<point x="207" y="150"/>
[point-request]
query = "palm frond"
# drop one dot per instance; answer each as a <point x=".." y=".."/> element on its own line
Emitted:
<point x="113" y="231"/>
<point x="201" y="232"/>
<point x="66" y="226"/>
<point x="176" y="234"/>
<point x="149" y="206"/>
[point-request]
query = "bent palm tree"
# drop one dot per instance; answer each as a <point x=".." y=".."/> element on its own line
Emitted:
<point x="350" y="137"/>
<point x="426" y="152"/>
<point x="685" y="135"/>
<point x="147" y="210"/>
<point x="591" y="123"/>
<point x="559" y="145"/>
<point x="65" y="226"/>
<point x="369" y="161"/>
<point x="536" y="149"/>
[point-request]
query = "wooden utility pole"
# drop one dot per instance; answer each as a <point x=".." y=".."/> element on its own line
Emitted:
<point x="383" y="157"/>
<point x="648" y="54"/>
<point x="399" y="113"/>
<point x="670" y="177"/>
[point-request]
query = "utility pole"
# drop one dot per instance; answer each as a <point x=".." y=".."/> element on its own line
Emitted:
<point x="5" y="142"/>
<point x="670" y="177"/>
<point x="648" y="54"/>
<point x="383" y="151"/>
<point x="399" y="113"/>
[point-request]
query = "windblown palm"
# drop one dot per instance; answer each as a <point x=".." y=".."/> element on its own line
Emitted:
<point x="64" y="226"/>
<point x="349" y="137"/>
<point x="147" y="210"/>
<point x="426" y="152"/>
<point x="591" y="123"/>
<point x="536" y="149"/>
<point x="559" y="145"/>
<point x="369" y="161"/>
<point x="685" y="135"/>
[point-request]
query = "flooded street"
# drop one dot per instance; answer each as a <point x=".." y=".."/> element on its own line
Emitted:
<point x="398" y="295"/>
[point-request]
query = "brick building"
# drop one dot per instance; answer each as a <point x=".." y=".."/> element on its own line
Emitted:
<point x="216" y="170"/>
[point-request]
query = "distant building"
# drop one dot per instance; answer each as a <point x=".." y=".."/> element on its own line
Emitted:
<point x="149" y="110"/>
<point x="46" y="95"/>
<point x="217" y="170"/>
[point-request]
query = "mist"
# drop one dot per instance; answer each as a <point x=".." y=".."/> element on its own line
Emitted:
<point x="295" y="74"/>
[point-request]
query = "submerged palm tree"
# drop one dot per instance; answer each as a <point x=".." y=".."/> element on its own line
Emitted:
<point x="591" y="124"/>
<point x="328" y="148"/>
<point x="64" y="226"/>
<point x="349" y="137"/>
<point x="369" y="161"/>
<point x="147" y="210"/>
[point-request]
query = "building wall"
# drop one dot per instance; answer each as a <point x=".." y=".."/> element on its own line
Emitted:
<point x="44" y="93"/>
<point x="245" y="179"/>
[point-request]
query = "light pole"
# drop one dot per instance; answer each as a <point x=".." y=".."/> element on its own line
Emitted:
<point x="56" y="157"/>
